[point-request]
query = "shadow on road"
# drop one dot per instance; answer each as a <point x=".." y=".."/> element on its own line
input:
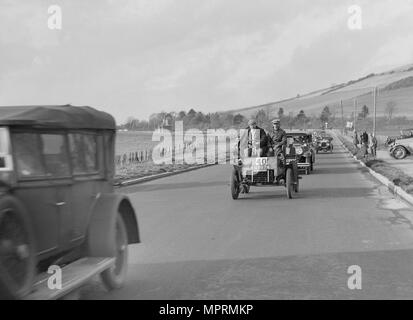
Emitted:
<point x="321" y="193"/>
<point x="174" y="186"/>
<point x="384" y="275"/>
<point x="340" y="170"/>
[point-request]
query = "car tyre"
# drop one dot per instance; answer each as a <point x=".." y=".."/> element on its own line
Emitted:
<point x="17" y="250"/>
<point x="399" y="153"/>
<point x="289" y="183"/>
<point x="114" y="277"/>
<point x="235" y="186"/>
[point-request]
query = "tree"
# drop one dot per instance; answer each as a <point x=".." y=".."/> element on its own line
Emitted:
<point x="301" y="119"/>
<point x="390" y="109"/>
<point x="281" y="112"/>
<point x="181" y="115"/>
<point x="325" y="115"/>
<point x="364" y="112"/>
<point x="262" y="118"/>
<point x="238" y="119"/>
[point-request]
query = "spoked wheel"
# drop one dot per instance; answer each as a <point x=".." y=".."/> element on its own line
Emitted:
<point x="297" y="186"/>
<point x="235" y="185"/>
<point x="289" y="183"/>
<point x="399" y="153"/>
<point x="17" y="250"/>
<point x="114" y="277"/>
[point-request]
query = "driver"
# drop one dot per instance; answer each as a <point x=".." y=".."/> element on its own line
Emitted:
<point x="256" y="137"/>
<point x="277" y="138"/>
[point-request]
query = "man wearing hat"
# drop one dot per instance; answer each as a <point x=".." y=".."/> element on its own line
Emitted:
<point x="277" y="137"/>
<point x="256" y="137"/>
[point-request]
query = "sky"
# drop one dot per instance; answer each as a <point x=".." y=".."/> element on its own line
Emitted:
<point x="138" y="57"/>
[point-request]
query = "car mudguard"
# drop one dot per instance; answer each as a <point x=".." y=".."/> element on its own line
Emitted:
<point x="101" y="230"/>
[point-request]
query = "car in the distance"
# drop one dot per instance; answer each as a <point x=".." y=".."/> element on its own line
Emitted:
<point x="304" y="150"/>
<point x="402" y="146"/>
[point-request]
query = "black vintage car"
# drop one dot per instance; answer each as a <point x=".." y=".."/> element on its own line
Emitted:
<point x="304" y="149"/>
<point x="57" y="203"/>
<point x="324" y="143"/>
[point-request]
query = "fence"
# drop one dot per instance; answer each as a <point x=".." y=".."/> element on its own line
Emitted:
<point x="146" y="155"/>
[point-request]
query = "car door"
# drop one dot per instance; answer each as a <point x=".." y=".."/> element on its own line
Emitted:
<point x="38" y="191"/>
<point x="87" y="164"/>
<point x="54" y="147"/>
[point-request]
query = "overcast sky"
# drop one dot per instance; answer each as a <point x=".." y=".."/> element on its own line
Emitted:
<point x="137" y="57"/>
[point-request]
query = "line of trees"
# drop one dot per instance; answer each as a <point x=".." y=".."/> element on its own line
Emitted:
<point x="226" y="120"/>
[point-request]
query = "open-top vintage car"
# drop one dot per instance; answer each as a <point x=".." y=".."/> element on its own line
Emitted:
<point x="324" y="143"/>
<point x="402" y="146"/>
<point x="57" y="204"/>
<point x="304" y="150"/>
<point x="271" y="170"/>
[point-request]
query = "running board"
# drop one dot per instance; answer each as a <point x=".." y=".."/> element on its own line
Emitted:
<point x="73" y="275"/>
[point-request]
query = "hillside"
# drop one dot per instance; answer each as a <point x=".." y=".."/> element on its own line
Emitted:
<point x="395" y="85"/>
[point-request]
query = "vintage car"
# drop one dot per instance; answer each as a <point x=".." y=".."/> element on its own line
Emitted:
<point x="304" y="150"/>
<point x="271" y="170"/>
<point x="402" y="146"/>
<point x="324" y="143"/>
<point x="57" y="204"/>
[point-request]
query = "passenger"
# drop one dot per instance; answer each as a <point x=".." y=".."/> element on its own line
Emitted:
<point x="277" y="139"/>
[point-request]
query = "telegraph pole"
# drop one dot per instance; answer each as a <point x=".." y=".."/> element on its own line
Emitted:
<point x="374" y="109"/>
<point x="355" y="114"/>
<point x="342" y="115"/>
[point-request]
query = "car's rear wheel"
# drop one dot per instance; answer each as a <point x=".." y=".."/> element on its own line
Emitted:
<point x="399" y="153"/>
<point x="17" y="250"/>
<point x="114" y="277"/>
<point x="235" y="185"/>
<point x="289" y="183"/>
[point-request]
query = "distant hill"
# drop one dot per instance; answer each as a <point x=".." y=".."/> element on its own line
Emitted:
<point x="395" y="85"/>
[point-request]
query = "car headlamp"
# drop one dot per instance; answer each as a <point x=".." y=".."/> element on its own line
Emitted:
<point x="299" y="150"/>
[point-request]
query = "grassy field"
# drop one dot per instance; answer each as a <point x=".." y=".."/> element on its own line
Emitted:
<point x="132" y="141"/>
<point x="313" y="103"/>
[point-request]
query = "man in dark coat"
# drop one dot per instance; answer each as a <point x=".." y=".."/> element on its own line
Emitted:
<point x="277" y="138"/>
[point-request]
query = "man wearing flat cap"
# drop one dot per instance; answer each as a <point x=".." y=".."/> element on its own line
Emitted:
<point x="257" y="139"/>
<point x="277" y="138"/>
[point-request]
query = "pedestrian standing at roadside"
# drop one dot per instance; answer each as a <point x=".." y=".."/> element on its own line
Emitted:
<point x="364" y="144"/>
<point x="373" y="145"/>
<point x="355" y="139"/>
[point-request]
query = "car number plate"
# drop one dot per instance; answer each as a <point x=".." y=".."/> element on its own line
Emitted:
<point x="260" y="164"/>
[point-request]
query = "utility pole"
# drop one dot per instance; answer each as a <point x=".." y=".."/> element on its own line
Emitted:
<point x="342" y="115"/>
<point x="355" y="114"/>
<point x="375" y="109"/>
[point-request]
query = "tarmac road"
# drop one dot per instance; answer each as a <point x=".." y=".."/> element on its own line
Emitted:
<point x="198" y="243"/>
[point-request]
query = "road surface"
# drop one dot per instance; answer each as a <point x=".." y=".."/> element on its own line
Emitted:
<point x="198" y="243"/>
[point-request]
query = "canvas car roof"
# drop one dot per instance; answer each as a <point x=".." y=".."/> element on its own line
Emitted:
<point x="56" y="116"/>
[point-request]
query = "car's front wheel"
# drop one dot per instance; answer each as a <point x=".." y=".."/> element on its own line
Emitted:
<point x="114" y="277"/>
<point x="235" y="185"/>
<point x="289" y="182"/>
<point x="399" y="153"/>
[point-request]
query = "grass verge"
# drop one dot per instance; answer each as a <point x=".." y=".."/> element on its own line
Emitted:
<point x="397" y="176"/>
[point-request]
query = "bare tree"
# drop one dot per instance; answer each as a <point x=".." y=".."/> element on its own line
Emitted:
<point x="390" y="109"/>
